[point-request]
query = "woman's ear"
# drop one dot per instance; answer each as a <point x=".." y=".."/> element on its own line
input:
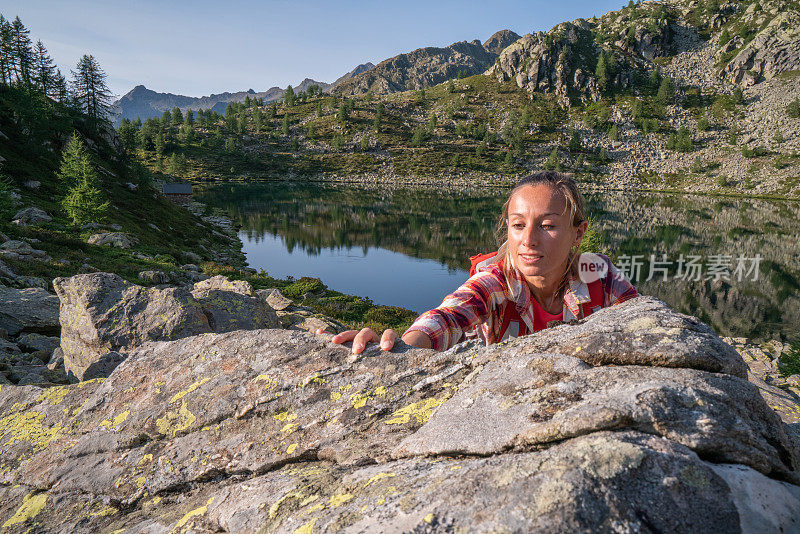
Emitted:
<point x="579" y="231"/>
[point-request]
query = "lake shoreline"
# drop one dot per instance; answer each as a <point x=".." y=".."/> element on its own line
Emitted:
<point x="460" y="182"/>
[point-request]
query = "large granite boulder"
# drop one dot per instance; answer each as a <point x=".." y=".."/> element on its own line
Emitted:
<point x="112" y="239"/>
<point x="31" y="309"/>
<point x="32" y="216"/>
<point x="102" y="313"/>
<point x="281" y="431"/>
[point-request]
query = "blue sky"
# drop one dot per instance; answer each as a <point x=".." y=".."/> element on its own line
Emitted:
<point x="202" y="47"/>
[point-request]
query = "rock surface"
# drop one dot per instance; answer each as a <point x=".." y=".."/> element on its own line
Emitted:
<point x="428" y="66"/>
<point x="31" y="217"/>
<point x="101" y="313"/>
<point x="31" y="309"/>
<point x="112" y="239"/>
<point x="278" y="430"/>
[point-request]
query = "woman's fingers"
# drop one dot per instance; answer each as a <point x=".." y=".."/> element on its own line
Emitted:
<point x="360" y="338"/>
<point x="388" y="339"/>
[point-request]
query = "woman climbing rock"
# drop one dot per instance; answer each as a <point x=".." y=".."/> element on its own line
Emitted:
<point x="537" y="276"/>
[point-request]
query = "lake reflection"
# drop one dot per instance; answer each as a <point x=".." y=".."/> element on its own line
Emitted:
<point x="409" y="247"/>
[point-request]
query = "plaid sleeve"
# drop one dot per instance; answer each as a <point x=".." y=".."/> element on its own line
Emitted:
<point x="618" y="289"/>
<point x="469" y="305"/>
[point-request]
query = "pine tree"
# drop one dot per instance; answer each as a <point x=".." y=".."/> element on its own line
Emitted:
<point x="90" y="91"/>
<point x="342" y="115"/>
<point x="613" y="133"/>
<point x="84" y="201"/>
<point x="44" y="70"/>
<point x="22" y="55"/>
<point x="666" y="91"/>
<point x="60" y="92"/>
<point x="289" y="96"/>
<point x="190" y="117"/>
<point x="177" y="116"/>
<point x="285" y="124"/>
<point x="601" y="72"/>
<point x="575" y="142"/>
<point x="6" y="51"/>
<point x="128" y="135"/>
<point x="553" y="162"/>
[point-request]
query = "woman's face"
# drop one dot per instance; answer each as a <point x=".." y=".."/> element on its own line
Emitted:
<point x="540" y="233"/>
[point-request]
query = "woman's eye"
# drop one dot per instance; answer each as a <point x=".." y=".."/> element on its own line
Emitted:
<point x="518" y="226"/>
<point x="548" y="226"/>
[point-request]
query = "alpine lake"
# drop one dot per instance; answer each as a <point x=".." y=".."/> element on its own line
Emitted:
<point x="733" y="262"/>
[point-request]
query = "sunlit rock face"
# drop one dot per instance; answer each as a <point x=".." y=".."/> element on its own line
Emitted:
<point x="638" y="418"/>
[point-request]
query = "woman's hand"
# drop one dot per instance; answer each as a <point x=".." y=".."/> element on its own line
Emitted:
<point x="360" y="338"/>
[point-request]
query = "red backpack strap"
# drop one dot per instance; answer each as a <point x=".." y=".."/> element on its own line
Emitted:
<point x="597" y="297"/>
<point x="476" y="260"/>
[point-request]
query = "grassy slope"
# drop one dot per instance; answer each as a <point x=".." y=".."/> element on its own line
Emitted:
<point x="32" y="152"/>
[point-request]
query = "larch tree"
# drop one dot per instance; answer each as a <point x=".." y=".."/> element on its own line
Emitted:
<point x="22" y="58"/>
<point x="83" y="202"/>
<point x="89" y="89"/>
<point x="44" y="69"/>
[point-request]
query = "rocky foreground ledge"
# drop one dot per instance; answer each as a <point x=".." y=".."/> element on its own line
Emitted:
<point x="639" y="419"/>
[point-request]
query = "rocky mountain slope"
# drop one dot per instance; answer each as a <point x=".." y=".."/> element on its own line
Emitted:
<point x="428" y="66"/>
<point x="281" y="431"/>
<point x="144" y="103"/>
<point x="708" y="49"/>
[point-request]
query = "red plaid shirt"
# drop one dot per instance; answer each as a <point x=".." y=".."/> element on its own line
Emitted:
<point x="479" y="305"/>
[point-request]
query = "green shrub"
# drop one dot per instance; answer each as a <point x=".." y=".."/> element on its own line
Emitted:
<point x="789" y="362"/>
<point x="793" y="109"/>
<point x="305" y="285"/>
<point x="389" y="315"/>
<point x="702" y="124"/>
<point x="722" y="180"/>
<point x="165" y="258"/>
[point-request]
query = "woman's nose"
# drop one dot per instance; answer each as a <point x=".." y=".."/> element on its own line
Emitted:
<point x="529" y="237"/>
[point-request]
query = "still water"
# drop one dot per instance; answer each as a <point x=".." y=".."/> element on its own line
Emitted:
<point x="409" y="247"/>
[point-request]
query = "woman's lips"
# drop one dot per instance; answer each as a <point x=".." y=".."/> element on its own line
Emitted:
<point x="529" y="258"/>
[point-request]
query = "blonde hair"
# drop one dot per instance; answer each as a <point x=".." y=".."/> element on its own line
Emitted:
<point x="561" y="183"/>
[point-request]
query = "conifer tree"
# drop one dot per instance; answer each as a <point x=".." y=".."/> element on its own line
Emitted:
<point x="44" y="69"/>
<point x="128" y="135"/>
<point x="190" y="117"/>
<point x="666" y="91"/>
<point x="89" y="89"/>
<point x="22" y="55"/>
<point x="177" y="116"/>
<point x="289" y="96"/>
<point x="84" y="201"/>
<point x="60" y="93"/>
<point x="285" y="124"/>
<point x="5" y="51"/>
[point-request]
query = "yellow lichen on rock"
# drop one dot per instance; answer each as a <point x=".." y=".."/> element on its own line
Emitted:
<point x="273" y="510"/>
<point x="291" y="448"/>
<point x="189" y="515"/>
<point x="118" y="420"/>
<point x="174" y="422"/>
<point x="269" y="382"/>
<point x="32" y="504"/>
<point x="378" y="477"/>
<point x="181" y="394"/>
<point x="27" y="426"/>
<point x="104" y="511"/>
<point x="306" y="528"/>
<point x="420" y="411"/>
<point x="54" y="395"/>
<point x="285" y="416"/>
<point x="146" y="458"/>
<point x="339" y="499"/>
